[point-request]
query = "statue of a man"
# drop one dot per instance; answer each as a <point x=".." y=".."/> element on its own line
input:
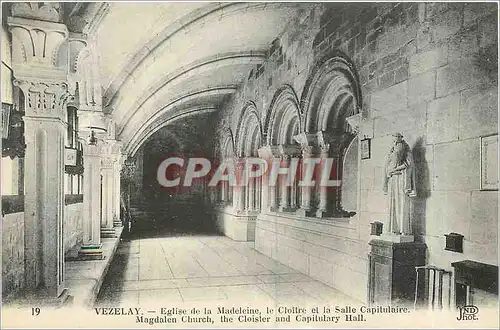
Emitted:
<point x="399" y="185"/>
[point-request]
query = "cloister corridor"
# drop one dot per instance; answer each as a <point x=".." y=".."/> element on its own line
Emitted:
<point x="186" y="268"/>
<point x="318" y="155"/>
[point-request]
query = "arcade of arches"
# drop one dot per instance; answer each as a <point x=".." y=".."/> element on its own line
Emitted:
<point x="91" y="106"/>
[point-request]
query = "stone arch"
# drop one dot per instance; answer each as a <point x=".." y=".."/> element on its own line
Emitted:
<point x="227" y="149"/>
<point x="284" y="119"/>
<point x="331" y="101"/>
<point x="331" y="94"/>
<point x="249" y="132"/>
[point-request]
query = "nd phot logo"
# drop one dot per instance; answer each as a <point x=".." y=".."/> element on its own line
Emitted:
<point x="468" y="313"/>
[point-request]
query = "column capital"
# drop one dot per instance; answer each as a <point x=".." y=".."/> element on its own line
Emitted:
<point x="269" y="151"/>
<point x="354" y="122"/>
<point x="91" y="150"/>
<point x="44" y="99"/>
<point x="45" y="11"/>
<point x="323" y="140"/>
<point x="110" y="148"/>
<point x="107" y="163"/>
<point x="306" y="139"/>
<point x="289" y="150"/>
<point x="333" y="141"/>
<point x="36" y="49"/>
<point x="285" y="157"/>
<point x="116" y="148"/>
<point x="307" y="151"/>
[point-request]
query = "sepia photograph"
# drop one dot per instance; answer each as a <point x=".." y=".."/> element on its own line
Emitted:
<point x="263" y="164"/>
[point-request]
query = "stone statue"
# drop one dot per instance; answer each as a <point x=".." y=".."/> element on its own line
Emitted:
<point x="399" y="185"/>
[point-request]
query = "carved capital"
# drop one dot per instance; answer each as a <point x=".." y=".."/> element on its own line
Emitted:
<point x="239" y="164"/>
<point x="90" y="150"/>
<point x="285" y="157"/>
<point x="325" y="148"/>
<point x="268" y="152"/>
<point x="44" y="11"/>
<point x="324" y="140"/>
<point x="116" y="148"/>
<point x="107" y="163"/>
<point x="334" y="142"/>
<point x="264" y="152"/>
<point x="44" y="99"/>
<point x="36" y="48"/>
<point x="305" y="139"/>
<point x="307" y="151"/>
<point x="290" y="150"/>
<point x="354" y="122"/>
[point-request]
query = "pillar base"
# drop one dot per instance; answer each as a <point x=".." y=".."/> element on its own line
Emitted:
<point x="286" y="209"/>
<point x="273" y="208"/>
<point x="395" y="238"/>
<point x="40" y="298"/>
<point x="305" y="212"/>
<point x="90" y="252"/>
<point x="117" y="223"/>
<point x="323" y="214"/>
<point x="108" y="232"/>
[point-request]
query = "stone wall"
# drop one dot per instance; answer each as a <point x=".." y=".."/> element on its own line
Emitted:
<point x="12" y="253"/>
<point x="328" y="251"/>
<point x="239" y="227"/>
<point x="73" y="225"/>
<point x="427" y="70"/>
<point x="13" y="244"/>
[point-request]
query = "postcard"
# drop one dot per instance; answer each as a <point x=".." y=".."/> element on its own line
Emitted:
<point x="201" y="164"/>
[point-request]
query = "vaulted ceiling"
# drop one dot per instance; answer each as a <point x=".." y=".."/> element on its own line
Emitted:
<point x="164" y="61"/>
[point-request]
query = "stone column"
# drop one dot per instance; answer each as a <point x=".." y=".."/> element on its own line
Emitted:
<point x="305" y="190"/>
<point x="293" y="188"/>
<point x="332" y="145"/>
<point x="224" y="192"/>
<point x="323" y="206"/>
<point x="239" y="189"/>
<point x="117" y="167"/>
<point x="273" y="191"/>
<point x="289" y="160"/>
<point x="285" y="189"/>
<point x="92" y="247"/>
<point x="43" y="80"/>
<point x="258" y="193"/>
<point x="265" y="153"/>
<point x="239" y="199"/>
<point x="250" y="193"/>
<point x="44" y="186"/>
<point x="307" y="141"/>
<point x="110" y="171"/>
<point x="108" y="183"/>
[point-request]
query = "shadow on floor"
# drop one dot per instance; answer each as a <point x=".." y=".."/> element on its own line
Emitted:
<point x="112" y="285"/>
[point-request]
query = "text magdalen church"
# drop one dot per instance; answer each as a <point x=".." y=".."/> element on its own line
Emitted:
<point x="275" y="152"/>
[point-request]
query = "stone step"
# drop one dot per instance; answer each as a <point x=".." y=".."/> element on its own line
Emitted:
<point x="108" y="232"/>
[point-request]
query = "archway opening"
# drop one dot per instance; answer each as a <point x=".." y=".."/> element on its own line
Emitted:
<point x="183" y="208"/>
<point x="331" y="101"/>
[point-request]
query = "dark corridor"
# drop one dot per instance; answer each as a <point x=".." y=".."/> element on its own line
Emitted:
<point x="160" y="211"/>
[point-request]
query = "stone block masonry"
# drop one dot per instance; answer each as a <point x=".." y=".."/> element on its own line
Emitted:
<point x="423" y="70"/>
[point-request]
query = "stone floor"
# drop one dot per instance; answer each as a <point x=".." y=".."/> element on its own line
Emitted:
<point x="206" y="268"/>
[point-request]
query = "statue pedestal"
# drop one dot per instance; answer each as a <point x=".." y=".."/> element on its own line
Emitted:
<point x="392" y="275"/>
<point x="395" y="238"/>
